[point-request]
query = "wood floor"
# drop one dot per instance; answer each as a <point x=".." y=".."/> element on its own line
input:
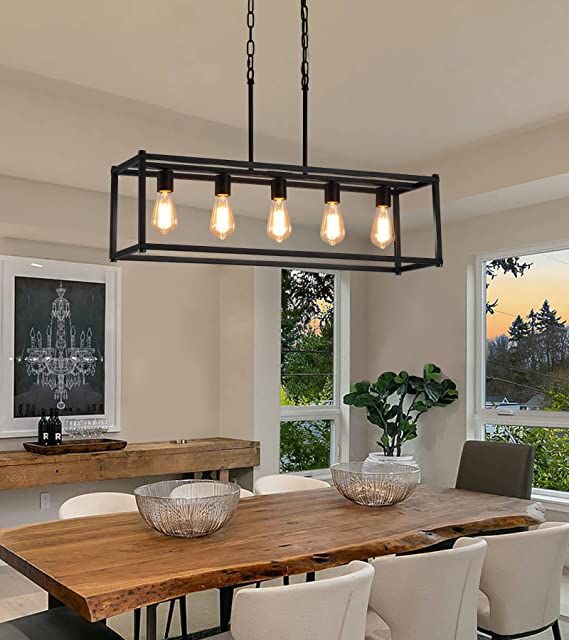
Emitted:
<point x="20" y="597"/>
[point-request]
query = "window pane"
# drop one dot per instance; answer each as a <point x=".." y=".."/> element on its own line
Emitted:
<point x="305" y="445"/>
<point x="527" y="308"/>
<point x="551" y="466"/>
<point x="307" y="338"/>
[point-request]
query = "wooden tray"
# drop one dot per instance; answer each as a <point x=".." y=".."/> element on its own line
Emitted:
<point x="76" y="446"/>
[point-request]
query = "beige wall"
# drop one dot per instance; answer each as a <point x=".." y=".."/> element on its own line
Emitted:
<point x="198" y="342"/>
<point x="426" y="316"/>
<point x="170" y="327"/>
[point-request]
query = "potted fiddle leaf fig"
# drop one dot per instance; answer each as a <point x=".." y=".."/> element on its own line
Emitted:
<point x="395" y="402"/>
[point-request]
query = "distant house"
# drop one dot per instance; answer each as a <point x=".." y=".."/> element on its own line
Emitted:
<point x="494" y="401"/>
<point x="499" y="402"/>
<point x="535" y="403"/>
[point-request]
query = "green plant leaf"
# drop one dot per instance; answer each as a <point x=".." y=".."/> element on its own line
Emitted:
<point x="385" y="401"/>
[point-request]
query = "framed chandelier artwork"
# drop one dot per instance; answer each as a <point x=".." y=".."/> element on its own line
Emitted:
<point x="59" y="342"/>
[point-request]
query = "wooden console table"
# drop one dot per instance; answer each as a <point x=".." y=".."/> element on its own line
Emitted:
<point x="21" y="470"/>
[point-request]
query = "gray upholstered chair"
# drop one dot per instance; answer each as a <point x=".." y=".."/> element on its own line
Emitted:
<point x="496" y="467"/>
<point x="56" y="624"/>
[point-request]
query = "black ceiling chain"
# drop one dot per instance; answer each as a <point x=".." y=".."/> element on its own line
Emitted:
<point x="304" y="72"/>
<point x="251" y="42"/>
<point x="305" y="64"/>
<point x="251" y="71"/>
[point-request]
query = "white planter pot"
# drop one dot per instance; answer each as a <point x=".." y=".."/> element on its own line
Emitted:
<point x="375" y="458"/>
<point x="378" y="455"/>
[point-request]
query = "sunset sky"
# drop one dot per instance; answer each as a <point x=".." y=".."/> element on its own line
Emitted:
<point x="547" y="278"/>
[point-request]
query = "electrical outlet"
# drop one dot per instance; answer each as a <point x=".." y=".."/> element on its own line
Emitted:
<point x="45" y="501"/>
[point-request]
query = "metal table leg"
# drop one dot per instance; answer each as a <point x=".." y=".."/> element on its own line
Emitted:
<point x="151" y="629"/>
<point x="225" y="603"/>
<point x="53" y="602"/>
<point x="183" y="617"/>
<point x="137" y="616"/>
<point x="171" y="607"/>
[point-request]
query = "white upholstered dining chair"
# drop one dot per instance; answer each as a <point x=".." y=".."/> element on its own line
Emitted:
<point x="330" y="609"/>
<point x="284" y="483"/>
<point x="97" y="504"/>
<point x="521" y="582"/>
<point x="424" y="596"/>
<point x="187" y="490"/>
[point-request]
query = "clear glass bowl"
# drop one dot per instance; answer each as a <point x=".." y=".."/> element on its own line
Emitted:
<point x="389" y="483"/>
<point x="187" y="508"/>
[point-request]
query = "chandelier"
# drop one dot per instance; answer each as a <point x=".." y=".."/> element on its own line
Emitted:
<point x="165" y="170"/>
<point x="61" y="364"/>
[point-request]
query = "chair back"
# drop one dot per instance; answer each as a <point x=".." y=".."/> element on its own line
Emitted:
<point x="496" y="467"/>
<point x="333" y="608"/>
<point x="96" y="504"/>
<point x="430" y="595"/>
<point x="522" y="578"/>
<point x="284" y="483"/>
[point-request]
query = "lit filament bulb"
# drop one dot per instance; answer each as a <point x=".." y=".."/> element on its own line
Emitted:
<point x="279" y="227"/>
<point x="222" y="222"/>
<point x="164" y="216"/>
<point x="332" y="230"/>
<point x="382" y="234"/>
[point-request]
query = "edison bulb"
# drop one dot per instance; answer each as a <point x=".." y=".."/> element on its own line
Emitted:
<point x="382" y="228"/>
<point x="332" y="230"/>
<point x="279" y="227"/>
<point x="222" y="223"/>
<point x="164" y="216"/>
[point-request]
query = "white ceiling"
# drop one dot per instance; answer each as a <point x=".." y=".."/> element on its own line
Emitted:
<point x="392" y="82"/>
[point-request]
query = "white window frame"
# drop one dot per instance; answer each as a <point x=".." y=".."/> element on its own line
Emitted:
<point x="480" y="415"/>
<point x="339" y="436"/>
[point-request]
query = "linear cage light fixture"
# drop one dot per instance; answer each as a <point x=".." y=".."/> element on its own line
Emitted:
<point x="165" y="170"/>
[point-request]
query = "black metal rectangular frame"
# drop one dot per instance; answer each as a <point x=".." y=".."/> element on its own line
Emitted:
<point x="144" y="166"/>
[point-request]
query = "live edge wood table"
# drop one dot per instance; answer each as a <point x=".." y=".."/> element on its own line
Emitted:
<point x="20" y="469"/>
<point x="105" y="565"/>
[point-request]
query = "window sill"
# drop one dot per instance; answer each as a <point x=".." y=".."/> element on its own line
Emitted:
<point x="552" y="500"/>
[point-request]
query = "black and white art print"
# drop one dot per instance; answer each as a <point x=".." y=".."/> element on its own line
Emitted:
<point x="59" y="347"/>
<point x="59" y="342"/>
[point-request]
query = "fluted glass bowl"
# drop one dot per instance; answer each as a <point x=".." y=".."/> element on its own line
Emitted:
<point x="389" y="483"/>
<point x="187" y="508"/>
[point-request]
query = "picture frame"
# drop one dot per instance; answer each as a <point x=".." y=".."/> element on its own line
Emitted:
<point x="37" y="309"/>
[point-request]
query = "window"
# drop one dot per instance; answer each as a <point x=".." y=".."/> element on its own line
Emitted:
<point x="310" y="411"/>
<point x="523" y="360"/>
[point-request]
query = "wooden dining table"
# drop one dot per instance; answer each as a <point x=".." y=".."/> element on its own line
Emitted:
<point x="102" y="566"/>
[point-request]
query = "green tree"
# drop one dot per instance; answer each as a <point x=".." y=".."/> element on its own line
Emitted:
<point x="551" y="446"/>
<point x="553" y="335"/>
<point x="518" y="330"/>
<point x="558" y="400"/>
<point x="307" y="365"/>
<point x="305" y="445"/>
<point x="305" y="296"/>
<point x="512" y="265"/>
<point x="307" y="370"/>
